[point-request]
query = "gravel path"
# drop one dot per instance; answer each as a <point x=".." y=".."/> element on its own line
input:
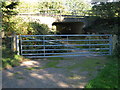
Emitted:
<point x="72" y="72"/>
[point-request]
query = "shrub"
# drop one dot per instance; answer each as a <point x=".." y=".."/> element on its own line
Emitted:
<point x="38" y="28"/>
<point x="117" y="50"/>
<point x="19" y="26"/>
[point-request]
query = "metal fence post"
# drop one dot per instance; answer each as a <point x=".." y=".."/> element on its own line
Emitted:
<point x="67" y="43"/>
<point x="89" y="44"/>
<point x="17" y="45"/>
<point x="44" y="44"/>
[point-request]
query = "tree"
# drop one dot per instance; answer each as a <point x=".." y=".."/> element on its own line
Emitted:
<point x="78" y="7"/>
<point x="106" y="9"/>
<point x="106" y="16"/>
<point x="27" y="7"/>
<point x="8" y="11"/>
<point x="74" y="7"/>
<point x="51" y="7"/>
<point x="107" y="20"/>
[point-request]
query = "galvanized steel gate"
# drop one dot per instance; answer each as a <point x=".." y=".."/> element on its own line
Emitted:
<point x="38" y="46"/>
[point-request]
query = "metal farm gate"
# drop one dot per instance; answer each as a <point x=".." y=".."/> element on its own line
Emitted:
<point x="38" y="46"/>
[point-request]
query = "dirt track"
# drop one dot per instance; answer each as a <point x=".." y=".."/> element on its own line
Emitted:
<point x="69" y="72"/>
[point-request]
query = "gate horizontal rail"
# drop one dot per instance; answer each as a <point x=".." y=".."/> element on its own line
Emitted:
<point x="64" y="56"/>
<point x="66" y="53"/>
<point x="64" y="40"/>
<point x="66" y="49"/>
<point x="66" y="45"/>
<point x="65" y="35"/>
<point x="37" y="46"/>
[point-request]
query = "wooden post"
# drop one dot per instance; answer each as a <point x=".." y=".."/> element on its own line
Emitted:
<point x="13" y="45"/>
<point x="17" y="45"/>
<point x="114" y="41"/>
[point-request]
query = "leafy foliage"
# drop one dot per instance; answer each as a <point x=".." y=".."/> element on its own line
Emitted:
<point x="8" y="11"/>
<point x="27" y="7"/>
<point x="19" y="26"/>
<point x="103" y="25"/>
<point x="38" y="28"/>
<point x="106" y="10"/>
<point x="117" y="50"/>
<point x="74" y="7"/>
<point x="105" y="19"/>
<point x="51" y="7"/>
<point x="77" y="7"/>
<point x="8" y="8"/>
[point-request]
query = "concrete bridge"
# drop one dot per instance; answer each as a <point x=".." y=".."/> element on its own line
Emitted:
<point x="49" y="19"/>
<point x="61" y="21"/>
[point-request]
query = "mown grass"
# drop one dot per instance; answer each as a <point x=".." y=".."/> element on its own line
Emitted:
<point x="108" y="77"/>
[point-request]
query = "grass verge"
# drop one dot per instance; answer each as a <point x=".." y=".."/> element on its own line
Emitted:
<point x="107" y="78"/>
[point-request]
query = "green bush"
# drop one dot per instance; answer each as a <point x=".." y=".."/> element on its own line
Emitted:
<point x="116" y="52"/>
<point x="37" y="28"/>
<point x="19" y="26"/>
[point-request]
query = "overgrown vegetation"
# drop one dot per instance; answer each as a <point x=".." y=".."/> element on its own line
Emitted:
<point x="9" y="57"/>
<point x="104" y="18"/>
<point x="108" y="77"/>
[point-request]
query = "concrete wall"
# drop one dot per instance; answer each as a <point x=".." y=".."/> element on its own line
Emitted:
<point x="39" y="19"/>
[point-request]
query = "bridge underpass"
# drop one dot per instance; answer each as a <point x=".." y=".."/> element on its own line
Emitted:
<point x="62" y="22"/>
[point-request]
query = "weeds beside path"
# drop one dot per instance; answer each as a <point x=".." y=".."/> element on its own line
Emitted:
<point x="70" y="72"/>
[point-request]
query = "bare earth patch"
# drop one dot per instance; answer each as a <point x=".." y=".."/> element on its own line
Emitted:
<point x="68" y="72"/>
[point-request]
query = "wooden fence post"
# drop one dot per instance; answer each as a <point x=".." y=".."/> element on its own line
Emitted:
<point x="114" y="41"/>
<point x="13" y="45"/>
<point x="17" y="45"/>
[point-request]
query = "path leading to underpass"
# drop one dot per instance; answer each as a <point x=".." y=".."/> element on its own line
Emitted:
<point x="69" y="72"/>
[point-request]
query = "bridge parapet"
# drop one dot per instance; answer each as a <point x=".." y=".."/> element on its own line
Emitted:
<point x="49" y="19"/>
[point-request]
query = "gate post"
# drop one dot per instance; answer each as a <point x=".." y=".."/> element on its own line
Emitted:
<point x="13" y="42"/>
<point x="114" y="41"/>
<point x="17" y="45"/>
<point x="44" y="44"/>
<point x="111" y="44"/>
<point x="67" y="43"/>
